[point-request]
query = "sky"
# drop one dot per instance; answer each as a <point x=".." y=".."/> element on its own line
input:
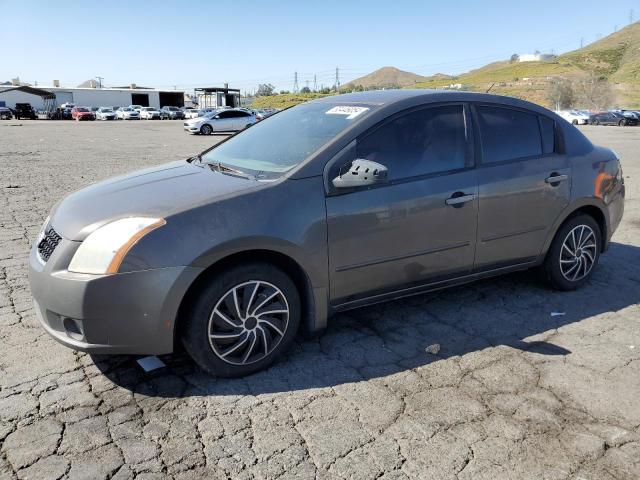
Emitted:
<point x="187" y="44"/>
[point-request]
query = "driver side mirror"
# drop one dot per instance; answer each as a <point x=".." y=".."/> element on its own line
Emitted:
<point x="361" y="173"/>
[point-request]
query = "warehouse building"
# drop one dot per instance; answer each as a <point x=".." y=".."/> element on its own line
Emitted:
<point x="91" y="97"/>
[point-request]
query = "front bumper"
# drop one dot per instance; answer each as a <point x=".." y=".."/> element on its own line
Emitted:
<point x="131" y="313"/>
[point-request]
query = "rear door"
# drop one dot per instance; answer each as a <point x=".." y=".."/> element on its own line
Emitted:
<point x="419" y="226"/>
<point x="524" y="184"/>
<point x="241" y="120"/>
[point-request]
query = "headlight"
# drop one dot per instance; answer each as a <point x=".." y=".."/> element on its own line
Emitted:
<point x="103" y="250"/>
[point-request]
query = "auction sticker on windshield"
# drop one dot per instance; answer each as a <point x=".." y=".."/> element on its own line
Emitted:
<point x="351" y="112"/>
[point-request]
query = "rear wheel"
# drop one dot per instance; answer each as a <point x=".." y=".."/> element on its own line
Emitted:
<point x="574" y="253"/>
<point x="621" y="123"/>
<point x="206" y="129"/>
<point x="575" y="122"/>
<point x="242" y="320"/>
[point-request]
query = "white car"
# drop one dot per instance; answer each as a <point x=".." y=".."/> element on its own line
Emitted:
<point x="574" y="116"/>
<point x="126" y="113"/>
<point x="105" y="113"/>
<point x="224" y="121"/>
<point x="150" y="113"/>
<point x="137" y="108"/>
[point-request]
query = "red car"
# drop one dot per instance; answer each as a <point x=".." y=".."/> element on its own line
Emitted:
<point x="82" y="113"/>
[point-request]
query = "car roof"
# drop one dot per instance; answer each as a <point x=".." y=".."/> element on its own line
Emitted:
<point x="417" y="96"/>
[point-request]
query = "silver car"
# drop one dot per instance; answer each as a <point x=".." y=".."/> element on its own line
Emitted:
<point x="149" y="113"/>
<point x="338" y="203"/>
<point x="105" y="113"/>
<point x="230" y="120"/>
<point x="127" y="113"/>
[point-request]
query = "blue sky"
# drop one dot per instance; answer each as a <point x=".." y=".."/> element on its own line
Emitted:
<point x="205" y="43"/>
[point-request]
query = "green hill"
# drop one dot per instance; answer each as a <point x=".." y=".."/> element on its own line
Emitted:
<point x="615" y="58"/>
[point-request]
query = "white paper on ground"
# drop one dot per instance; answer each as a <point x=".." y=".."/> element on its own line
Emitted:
<point x="150" y="363"/>
<point x="557" y="314"/>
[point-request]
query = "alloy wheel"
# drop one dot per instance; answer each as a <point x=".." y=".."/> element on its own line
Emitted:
<point x="578" y="253"/>
<point x="248" y="322"/>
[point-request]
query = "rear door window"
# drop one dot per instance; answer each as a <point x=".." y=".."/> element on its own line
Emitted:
<point x="426" y="141"/>
<point x="508" y="134"/>
<point x="548" y="130"/>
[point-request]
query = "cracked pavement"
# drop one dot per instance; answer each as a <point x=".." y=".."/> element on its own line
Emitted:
<point x="512" y="393"/>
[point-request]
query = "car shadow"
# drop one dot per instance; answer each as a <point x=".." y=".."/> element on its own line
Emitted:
<point x="390" y="338"/>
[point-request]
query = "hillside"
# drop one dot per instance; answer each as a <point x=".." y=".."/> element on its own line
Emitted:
<point x="615" y="58"/>
<point x="386" y="77"/>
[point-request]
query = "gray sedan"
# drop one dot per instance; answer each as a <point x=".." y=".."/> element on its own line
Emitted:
<point x="334" y="204"/>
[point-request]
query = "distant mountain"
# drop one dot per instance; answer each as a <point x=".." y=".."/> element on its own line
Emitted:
<point x="386" y="77"/>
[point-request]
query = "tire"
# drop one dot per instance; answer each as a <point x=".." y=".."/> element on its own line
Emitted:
<point x="563" y="269"/>
<point x="621" y="123"/>
<point x="213" y="311"/>
<point x="575" y="122"/>
<point x="206" y="129"/>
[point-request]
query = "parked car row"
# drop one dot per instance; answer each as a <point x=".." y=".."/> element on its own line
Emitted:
<point x="21" y="110"/>
<point x="610" y="117"/>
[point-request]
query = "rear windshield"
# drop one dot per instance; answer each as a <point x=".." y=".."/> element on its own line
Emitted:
<point x="281" y="142"/>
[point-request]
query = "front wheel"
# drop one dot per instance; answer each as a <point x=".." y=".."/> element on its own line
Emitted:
<point x="574" y="253"/>
<point x="621" y="123"/>
<point x="242" y="320"/>
<point x="575" y="122"/>
<point x="206" y="129"/>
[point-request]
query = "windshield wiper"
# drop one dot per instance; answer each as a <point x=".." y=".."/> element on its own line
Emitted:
<point x="195" y="158"/>
<point x="230" y="171"/>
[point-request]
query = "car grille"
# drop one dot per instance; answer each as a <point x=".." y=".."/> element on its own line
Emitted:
<point x="48" y="244"/>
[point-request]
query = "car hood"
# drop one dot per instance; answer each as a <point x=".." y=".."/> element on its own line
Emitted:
<point x="155" y="192"/>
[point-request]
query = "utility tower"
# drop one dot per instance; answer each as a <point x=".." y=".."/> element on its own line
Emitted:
<point x="315" y="83"/>
<point x="99" y="81"/>
<point x="295" y="82"/>
<point x="337" y="79"/>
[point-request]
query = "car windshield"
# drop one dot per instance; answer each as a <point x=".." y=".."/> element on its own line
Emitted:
<point x="283" y="141"/>
<point x="106" y="110"/>
<point x="173" y="109"/>
<point x="82" y="109"/>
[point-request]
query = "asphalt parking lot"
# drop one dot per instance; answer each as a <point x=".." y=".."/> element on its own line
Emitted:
<point x="513" y="392"/>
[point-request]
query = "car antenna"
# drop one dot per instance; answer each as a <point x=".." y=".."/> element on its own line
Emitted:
<point x="489" y="89"/>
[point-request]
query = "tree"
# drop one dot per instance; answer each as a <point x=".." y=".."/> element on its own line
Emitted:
<point x="284" y="92"/>
<point x="265" y="90"/>
<point x="595" y="93"/>
<point x="561" y="94"/>
<point x="325" y="90"/>
<point x="514" y="58"/>
<point x="305" y="90"/>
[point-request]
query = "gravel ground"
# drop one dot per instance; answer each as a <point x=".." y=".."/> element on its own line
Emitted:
<point x="513" y="392"/>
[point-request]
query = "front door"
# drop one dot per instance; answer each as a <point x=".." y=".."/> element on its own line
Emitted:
<point x="524" y="185"/>
<point x="419" y="226"/>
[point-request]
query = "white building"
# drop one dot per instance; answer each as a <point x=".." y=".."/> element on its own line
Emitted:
<point x="93" y="97"/>
<point x="535" y="57"/>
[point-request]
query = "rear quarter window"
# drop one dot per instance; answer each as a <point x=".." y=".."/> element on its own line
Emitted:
<point x="508" y="134"/>
<point x="548" y="131"/>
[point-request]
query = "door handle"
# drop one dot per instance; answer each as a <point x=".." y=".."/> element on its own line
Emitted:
<point x="454" y="201"/>
<point x="556" y="179"/>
